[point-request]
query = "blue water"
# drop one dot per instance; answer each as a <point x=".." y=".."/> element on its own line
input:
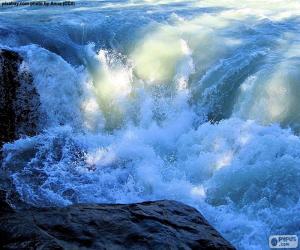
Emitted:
<point x="196" y="101"/>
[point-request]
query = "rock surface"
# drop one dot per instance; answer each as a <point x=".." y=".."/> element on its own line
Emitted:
<point x="19" y="101"/>
<point x="148" y="225"/>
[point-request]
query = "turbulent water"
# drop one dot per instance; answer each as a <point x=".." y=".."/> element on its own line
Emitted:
<point x="196" y="101"/>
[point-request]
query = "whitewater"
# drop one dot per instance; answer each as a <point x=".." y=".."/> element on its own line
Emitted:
<point x="194" y="101"/>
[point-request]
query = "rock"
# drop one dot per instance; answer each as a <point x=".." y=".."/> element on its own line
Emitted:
<point x="19" y="101"/>
<point x="4" y="206"/>
<point x="148" y="225"/>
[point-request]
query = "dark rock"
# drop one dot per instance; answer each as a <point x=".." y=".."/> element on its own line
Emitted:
<point x="4" y="206"/>
<point x="19" y="101"/>
<point x="147" y="225"/>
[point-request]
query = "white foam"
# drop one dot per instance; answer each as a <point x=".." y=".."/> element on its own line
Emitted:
<point x="130" y="124"/>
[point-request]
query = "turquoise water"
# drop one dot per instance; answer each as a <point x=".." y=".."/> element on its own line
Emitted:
<point x="195" y="101"/>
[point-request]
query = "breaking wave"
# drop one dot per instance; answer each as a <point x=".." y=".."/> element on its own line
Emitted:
<point x="145" y="100"/>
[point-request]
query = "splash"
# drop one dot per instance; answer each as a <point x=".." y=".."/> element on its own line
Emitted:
<point x="185" y="100"/>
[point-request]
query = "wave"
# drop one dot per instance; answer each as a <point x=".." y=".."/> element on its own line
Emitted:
<point x="196" y="102"/>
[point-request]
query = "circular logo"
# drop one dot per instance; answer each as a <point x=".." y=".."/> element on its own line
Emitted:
<point x="274" y="242"/>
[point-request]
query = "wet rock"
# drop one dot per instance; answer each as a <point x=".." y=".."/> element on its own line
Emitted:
<point x="4" y="206"/>
<point x="19" y="101"/>
<point x="148" y="225"/>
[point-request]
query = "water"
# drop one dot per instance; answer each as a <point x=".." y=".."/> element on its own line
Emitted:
<point x="195" y="101"/>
